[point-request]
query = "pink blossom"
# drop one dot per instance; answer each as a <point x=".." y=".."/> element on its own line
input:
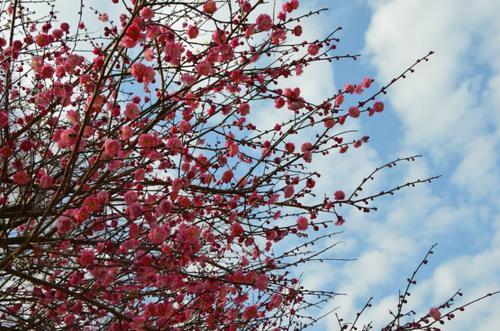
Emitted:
<point x="339" y="195"/>
<point x="130" y="197"/>
<point x="173" y="52"/>
<point x="236" y="229"/>
<point x="64" y="26"/>
<point x="209" y="7"/>
<point x="339" y="100"/>
<point x="261" y="282"/>
<point x="378" y="106"/>
<point x="139" y="174"/>
<point x="250" y="312"/>
<point x="133" y="32"/>
<point x="192" y="31"/>
<point x="92" y="203"/>
<point x="299" y="69"/>
<point x="134" y="210"/>
<point x="103" y="197"/>
<point x="313" y="49"/>
<point x="435" y="313"/>
<point x="340" y="221"/>
<point x="103" y="17"/>
<point x="146" y="140"/>
<point x="129" y="42"/>
<point x="302" y="223"/>
<point x="188" y="79"/>
<point x="149" y="54"/>
<point x="294" y="102"/>
<point x="233" y="149"/>
<point x="275" y="302"/>
<point x="86" y="257"/>
<point x="184" y="126"/>
<point x="203" y="68"/>
<point x="147" y="13"/>
<point x="174" y="144"/>
<point x="367" y="82"/>
<point x="47" y="71"/>
<point x="112" y="147"/>
<point x="43" y="40"/>
<point x="329" y="122"/>
<point x="297" y="31"/>
<point x="46" y="181"/>
<point x="69" y="319"/>
<point x="4" y="119"/>
<point x="219" y="37"/>
<point x="279" y="102"/>
<point x="227" y="176"/>
<point x="157" y="235"/>
<point x="64" y="224"/>
<point x="191" y="234"/>
<point x="264" y="22"/>
<point x="126" y="132"/>
<point x="289" y="191"/>
<point x="69" y="137"/>
<point x="250" y="30"/>
<point x="142" y="73"/>
<point x="306" y="147"/>
<point x="354" y="112"/>
<point x="72" y="61"/>
<point x="82" y="214"/>
<point x="244" y="109"/>
<point x="73" y="116"/>
<point x="21" y="178"/>
<point x="132" y="111"/>
<point x="177" y="184"/>
<point x="349" y="88"/>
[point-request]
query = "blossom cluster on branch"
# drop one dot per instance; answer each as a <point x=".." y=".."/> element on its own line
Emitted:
<point x="138" y="191"/>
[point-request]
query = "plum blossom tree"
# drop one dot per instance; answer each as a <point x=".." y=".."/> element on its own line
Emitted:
<point x="139" y="192"/>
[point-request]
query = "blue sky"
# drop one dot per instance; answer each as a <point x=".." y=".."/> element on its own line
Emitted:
<point x="447" y="111"/>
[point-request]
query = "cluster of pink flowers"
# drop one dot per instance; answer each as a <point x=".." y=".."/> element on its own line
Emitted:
<point x="145" y="172"/>
<point x="143" y="74"/>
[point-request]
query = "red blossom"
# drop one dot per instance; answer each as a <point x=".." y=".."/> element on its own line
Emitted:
<point x="43" y="40"/>
<point x="250" y="312"/>
<point x="313" y="49"/>
<point x="143" y="74"/>
<point x="378" y="106"/>
<point x="339" y="100"/>
<point x="21" y="178"/>
<point x="209" y="7"/>
<point x="435" y="313"/>
<point x="112" y="147"/>
<point x="264" y="22"/>
<point x="86" y="257"/>
<point x="354" y="112"/>
<point x="192" y="31"/>
<point x="204" y="68"/>
<point x="147" y="13"/>
<point x="339" y="195"/>
<point x="289" y="191"/>
<point x="302" y="223"/>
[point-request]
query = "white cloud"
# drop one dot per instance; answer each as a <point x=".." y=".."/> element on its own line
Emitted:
<point x="478" y="172"/>
<point x="449" y="112"/>
<point x="442" y="106"/>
